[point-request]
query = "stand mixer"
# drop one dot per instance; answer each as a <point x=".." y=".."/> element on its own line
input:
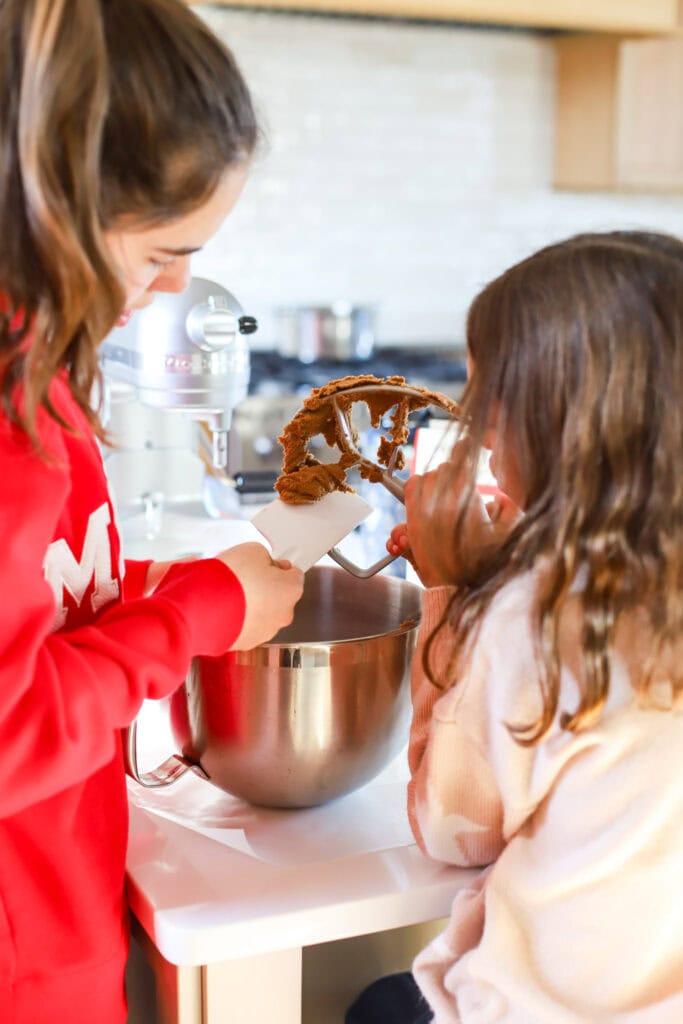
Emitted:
<point x="173" y="374"/>
<point x="186" y="352"/>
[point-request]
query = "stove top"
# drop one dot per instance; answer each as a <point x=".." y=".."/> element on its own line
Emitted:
<point x="443" y="369"/>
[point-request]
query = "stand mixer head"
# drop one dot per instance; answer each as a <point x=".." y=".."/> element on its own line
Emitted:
<point x="187" y="352"/>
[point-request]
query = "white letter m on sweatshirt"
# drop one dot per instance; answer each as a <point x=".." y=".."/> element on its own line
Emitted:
<point x="64" y="572"/>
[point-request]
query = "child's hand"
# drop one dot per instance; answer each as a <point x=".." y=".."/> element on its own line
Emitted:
<point x="398" y="541"/>
<point x="271" y="590"/>
<point x="431" y="504"/>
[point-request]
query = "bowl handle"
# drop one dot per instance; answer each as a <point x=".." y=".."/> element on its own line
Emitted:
<point x="166" y="773"/>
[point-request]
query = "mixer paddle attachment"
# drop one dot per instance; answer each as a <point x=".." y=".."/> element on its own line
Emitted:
<point x="347" y="441"/>
<point x="328" y="411"/>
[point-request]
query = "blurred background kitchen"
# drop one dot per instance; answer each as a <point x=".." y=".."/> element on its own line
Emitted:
<point x="406" y="164"/>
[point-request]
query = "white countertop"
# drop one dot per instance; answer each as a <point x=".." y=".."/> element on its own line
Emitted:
<point x="240" y="881"/>
<point x="212" y="878"/>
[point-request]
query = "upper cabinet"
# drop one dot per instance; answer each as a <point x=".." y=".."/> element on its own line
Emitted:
<point x="619" y="113"/>
<point x="596" y="15"/>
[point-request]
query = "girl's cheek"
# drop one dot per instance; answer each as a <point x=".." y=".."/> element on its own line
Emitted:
<point x="501" y="473"/>
<point x="138" y="286"/>
<point x="489" y="441"/>
<point x="493" y="466"/>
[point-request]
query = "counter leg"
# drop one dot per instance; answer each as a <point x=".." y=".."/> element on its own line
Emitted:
<point x="178" y="990"/>
<point x="257" y="988"/>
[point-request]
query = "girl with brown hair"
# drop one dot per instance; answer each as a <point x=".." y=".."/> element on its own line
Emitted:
<point x="126" y="132"/>
<point x="548" y="688"/>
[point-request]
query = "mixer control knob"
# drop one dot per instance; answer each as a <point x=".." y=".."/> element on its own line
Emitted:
<point x="247" y="324"/>
<point x="212" y="324"/>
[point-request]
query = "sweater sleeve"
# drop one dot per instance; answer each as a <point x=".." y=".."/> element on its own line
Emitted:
<point x="424" y="692"/>
<point x="454" y="806"/>
<point x="135" y="578"/>
<point x="64" y="694"/>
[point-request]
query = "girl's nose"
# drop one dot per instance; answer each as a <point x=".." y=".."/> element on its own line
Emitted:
<point x="174" y="278"/>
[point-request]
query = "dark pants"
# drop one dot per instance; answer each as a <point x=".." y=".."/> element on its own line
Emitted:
<point x="395" y="999"/>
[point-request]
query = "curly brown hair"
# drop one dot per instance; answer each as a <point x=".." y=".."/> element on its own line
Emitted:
<point x="579" y="351"/>
<point x="110" y="111"/>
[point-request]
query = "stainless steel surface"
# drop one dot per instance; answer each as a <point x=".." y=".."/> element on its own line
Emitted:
<point x="313" y="714"/>
<point x="186" y="352"/>
<point x="154" y="455"/>
<point x="257" y="423"/>
<point x="341" y="331"/>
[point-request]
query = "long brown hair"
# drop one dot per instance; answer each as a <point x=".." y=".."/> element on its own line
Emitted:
<point x="109" y="110"/>
<point x="579" y="351"/>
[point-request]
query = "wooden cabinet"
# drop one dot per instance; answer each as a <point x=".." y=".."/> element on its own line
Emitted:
<point x="598" y="15"/>
<point x="619" y="114"/>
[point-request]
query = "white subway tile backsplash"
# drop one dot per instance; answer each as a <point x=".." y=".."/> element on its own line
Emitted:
<point x="404" y="166"/>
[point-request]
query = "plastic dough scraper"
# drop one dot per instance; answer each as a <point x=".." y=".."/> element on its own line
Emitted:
<point x="304" y="533"/>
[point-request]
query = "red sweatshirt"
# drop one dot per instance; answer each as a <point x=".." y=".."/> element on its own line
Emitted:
<point x="78" y="654"/>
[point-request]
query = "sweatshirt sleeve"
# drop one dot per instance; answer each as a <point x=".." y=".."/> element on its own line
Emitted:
<point x="135" y="578"/>
<point x="454" y="806"/>
<point x="64" y="694"/>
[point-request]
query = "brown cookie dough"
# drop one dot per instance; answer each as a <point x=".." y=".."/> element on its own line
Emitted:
<point x="304" y="478"/>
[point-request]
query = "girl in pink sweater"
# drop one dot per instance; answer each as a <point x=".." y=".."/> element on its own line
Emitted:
<point x="547" y="740"/>
<point x="126" y="131"/>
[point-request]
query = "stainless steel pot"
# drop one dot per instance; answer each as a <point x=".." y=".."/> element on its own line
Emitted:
<point x="338" y="332"/>
<point x="313" y="714"/>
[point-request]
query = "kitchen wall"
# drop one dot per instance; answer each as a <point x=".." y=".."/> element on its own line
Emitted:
<point x="405" y="165"/>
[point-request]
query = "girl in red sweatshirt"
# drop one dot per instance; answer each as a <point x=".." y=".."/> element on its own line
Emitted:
<point x="126" y="131"/>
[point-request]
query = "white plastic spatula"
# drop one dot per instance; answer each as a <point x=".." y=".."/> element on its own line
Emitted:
<point x="304" y="533"/>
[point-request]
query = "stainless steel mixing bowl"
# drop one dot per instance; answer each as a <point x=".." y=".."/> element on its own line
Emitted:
<point x="316" y="712"/>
